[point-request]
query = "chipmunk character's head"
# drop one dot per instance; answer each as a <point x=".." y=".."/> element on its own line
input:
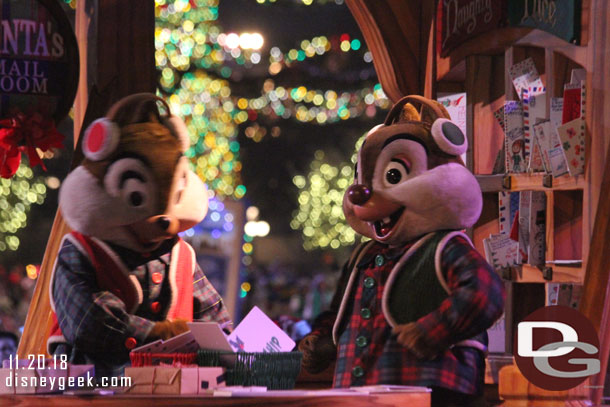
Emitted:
<point x="410" y="179"/>
<point x="134" y="187"/>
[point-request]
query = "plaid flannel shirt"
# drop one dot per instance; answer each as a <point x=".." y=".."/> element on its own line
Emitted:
<point x="368" y="352"/>
<point x="96" y="324"/>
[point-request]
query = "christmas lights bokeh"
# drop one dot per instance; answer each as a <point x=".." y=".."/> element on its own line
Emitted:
<point x="17" y="195"/>
<point x="192" y="55"/>
<point x="320" y="215"/>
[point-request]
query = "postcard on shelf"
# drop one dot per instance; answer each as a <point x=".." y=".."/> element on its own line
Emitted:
<point x="572" y="96"/>
<point x="514" y="140"/>
<point x="552" y="293"/>
<point x="524" y="74"/>
<point x="258" y="333"/>
<point x="534" y="111"/>
<point x="499" y="115"/>
<point x="572" y="136"/>
<point x="537" y="228"/>
<point x="578" y="75"/>
<point x="501" y="251"/>
<point x="550" y="146"/>
<point x="524" y="225"/>
<point x="556" y="111"/>
<point x="535" y="164"/>
<point x="509" y="205"/>
<point x="455" y="104"/>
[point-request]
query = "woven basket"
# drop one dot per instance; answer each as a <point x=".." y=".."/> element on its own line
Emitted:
<point x="276" y="371"/>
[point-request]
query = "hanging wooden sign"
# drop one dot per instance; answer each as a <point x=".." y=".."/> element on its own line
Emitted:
<point x="38" y="58"/>
<point x="558" y="17"/>
<point x="460" y="20"/>
<point x="38" y="79"/>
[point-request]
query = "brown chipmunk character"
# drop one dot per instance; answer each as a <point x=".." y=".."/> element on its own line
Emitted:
<point x="413" y="304"/>
<point x="123" y="277"/>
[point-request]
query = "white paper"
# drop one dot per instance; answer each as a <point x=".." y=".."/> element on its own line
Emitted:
<point x="534" y="111"/>
<point x="456" y="107"/>
<point x="537" y="226"/>
<point x="578" y="75"/>
<point x="514" y="139"/>
<point x="556" y="111"/>
<point x="504" y="251"/>
<point x="524" y="74"/>
<point x="209" y="336"/>
<point x="524" y="224"/>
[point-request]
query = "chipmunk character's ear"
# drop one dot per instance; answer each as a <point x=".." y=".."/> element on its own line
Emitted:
<point x="101" y="139"/>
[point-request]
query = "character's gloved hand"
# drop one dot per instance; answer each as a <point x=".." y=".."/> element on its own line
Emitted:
<point x="319" y="352"/>
<point x="167" y="329"/>
<point x="411" y="337"/>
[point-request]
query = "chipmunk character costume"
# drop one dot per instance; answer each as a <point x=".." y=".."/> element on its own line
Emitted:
<point x="124" y="277"/>
<point x="413" y="304"/>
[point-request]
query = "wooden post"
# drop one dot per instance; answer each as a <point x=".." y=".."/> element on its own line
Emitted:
<point x="116" y="44"/>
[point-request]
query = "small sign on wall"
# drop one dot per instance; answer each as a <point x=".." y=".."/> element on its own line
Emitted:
<point x="558" y="17"/>
<point x="458" y="21"/>
<point x="461" y="20"/>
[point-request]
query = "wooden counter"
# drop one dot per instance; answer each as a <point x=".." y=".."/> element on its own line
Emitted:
<point x="412" y="399"/>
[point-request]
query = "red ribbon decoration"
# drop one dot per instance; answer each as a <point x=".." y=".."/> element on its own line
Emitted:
<point x="25" y="134"/>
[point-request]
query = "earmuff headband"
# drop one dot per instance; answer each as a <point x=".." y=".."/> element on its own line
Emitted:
<point x="446" y="134"/>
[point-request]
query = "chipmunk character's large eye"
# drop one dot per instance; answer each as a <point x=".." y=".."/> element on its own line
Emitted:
<point x="396" y="171"/>
<point x="130" y="179"/>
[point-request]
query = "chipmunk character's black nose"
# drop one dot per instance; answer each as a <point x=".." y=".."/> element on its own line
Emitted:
<point x="358" y="194"/>
<point x="163" y="222"/>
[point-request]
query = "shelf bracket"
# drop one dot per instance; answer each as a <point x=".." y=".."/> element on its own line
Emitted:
<point x="547" y="181"/>
<point x="547" y="273"/>
<point x="506" y="182"/>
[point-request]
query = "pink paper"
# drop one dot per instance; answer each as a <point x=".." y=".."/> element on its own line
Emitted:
<point x="258" y="333"/>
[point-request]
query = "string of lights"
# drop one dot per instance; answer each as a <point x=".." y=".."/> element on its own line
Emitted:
<point x="317" y="46"/>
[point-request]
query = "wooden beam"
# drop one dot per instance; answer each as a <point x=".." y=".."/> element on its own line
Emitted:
<point x="396" y="32"/>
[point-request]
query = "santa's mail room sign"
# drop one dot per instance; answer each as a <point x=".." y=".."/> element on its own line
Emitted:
<point x="38" y="59"/>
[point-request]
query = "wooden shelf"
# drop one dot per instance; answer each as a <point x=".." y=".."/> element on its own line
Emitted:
<point x="528" y="182"/>
<point x="561" y="274"/>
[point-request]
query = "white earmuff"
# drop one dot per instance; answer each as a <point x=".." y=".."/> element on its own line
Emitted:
<point x="101" y="139"/>
<point x="448" y="137"/>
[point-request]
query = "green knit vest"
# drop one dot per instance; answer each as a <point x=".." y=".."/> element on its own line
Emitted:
<point x="416" y="290"/>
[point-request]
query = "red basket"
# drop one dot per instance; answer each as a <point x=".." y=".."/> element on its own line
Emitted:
<point x="140" y="359"/>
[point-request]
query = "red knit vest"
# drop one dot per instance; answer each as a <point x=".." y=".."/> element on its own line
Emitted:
<point x="112" y="275"/>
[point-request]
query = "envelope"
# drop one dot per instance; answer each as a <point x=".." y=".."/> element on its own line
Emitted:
<point x="163" y="380"/>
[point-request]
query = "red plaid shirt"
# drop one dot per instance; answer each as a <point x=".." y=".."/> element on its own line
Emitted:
<point x="368" y="352"/>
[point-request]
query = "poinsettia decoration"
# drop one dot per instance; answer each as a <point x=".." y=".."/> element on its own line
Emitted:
<point x="24" y="134"/>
